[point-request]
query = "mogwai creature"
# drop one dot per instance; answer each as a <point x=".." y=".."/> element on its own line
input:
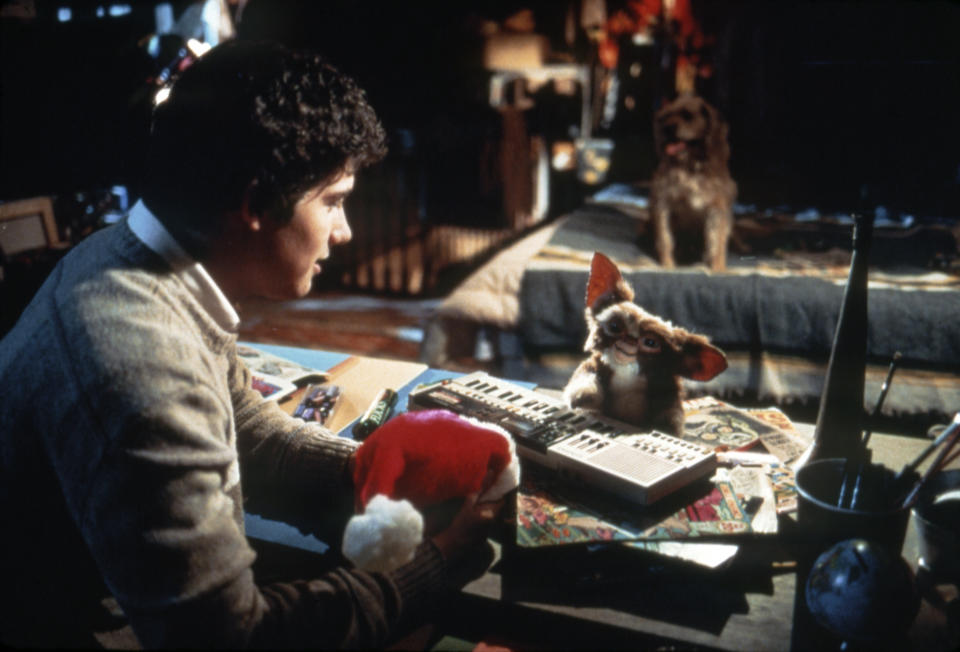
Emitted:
<point x="692" y="192"/>
<point x="636" y="359"/>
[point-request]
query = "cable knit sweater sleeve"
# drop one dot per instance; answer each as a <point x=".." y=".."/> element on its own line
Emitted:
<point x="292" y="470"/>
<point x="145" y="445"/>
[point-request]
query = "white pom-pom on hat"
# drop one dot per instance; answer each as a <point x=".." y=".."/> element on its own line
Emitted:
<point x="385" y="536"/>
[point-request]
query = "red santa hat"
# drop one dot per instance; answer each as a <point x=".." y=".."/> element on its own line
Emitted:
<point x="415" y="461"/>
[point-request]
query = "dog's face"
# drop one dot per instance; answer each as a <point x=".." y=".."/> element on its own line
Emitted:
<point x="689" y="132"/>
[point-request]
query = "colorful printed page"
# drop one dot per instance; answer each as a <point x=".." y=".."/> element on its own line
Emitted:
<point x="548" y="514"/>
<point x="720" y="426"/>
<point x="784" y="487"/>
<point x="780" y="477"/>
<point x="784" y="442"/>
<point x="273" y="376"/>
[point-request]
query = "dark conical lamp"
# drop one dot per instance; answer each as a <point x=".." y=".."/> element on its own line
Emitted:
<point x="840" y="418"/>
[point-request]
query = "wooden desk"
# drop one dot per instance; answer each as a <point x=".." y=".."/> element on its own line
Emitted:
<point x="574" y="599"/>
<point x="746" y="606"/>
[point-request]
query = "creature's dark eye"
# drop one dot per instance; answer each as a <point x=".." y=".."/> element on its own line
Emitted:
<point x="649" y="343"/>
<point x="614" y="326"/>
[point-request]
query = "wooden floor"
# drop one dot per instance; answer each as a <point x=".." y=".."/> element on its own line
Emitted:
<point x="337" y="321"/>
<point x="369" y="310"/>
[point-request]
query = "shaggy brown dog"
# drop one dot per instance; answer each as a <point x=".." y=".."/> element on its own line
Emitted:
<point x="692" y="193"/>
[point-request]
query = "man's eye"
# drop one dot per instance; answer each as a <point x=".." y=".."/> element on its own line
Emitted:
<point x="335" y="200"/>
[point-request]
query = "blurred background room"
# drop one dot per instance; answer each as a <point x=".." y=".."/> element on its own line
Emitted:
<point x="521" y="139"/>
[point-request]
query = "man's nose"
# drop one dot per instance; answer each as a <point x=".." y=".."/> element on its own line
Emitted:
<point x="341" y="233"/>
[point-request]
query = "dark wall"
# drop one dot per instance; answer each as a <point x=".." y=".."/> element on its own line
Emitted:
<point x="70" y="114"/>
<point x="824" y="99"/>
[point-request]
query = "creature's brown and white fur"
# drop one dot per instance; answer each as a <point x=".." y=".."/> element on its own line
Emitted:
<point x="691" y="192"/>
<point x="637" y="360"/>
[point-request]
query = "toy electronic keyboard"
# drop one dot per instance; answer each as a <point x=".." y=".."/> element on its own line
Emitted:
<point x="579" y="445"/>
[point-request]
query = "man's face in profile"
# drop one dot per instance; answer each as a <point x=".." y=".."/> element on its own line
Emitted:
<point x="289" y="255"/>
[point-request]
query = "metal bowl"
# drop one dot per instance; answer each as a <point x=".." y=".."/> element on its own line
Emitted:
<point x="937" y="517"/>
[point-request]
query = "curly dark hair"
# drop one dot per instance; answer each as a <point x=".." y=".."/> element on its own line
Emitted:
<point x="257" y="118"/>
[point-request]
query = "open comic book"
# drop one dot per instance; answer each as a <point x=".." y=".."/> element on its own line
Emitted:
<point x="766" y="432"/>
<point x="717" y="425"/>
<point x="784" y="442"/>
<point x="734" y="501"/>
<point x="275" y="377"/>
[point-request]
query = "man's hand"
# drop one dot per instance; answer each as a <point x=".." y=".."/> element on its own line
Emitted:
<point x="470" y="527"/>
<point x="464" y="543"/>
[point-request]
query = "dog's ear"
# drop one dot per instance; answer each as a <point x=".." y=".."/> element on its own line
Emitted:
<point x="605" y="285"/>
<point x="658" y="133"/>
<point x="717" y="143"/>
<point x="709" y="116"/>
<point x="658" y="121"/>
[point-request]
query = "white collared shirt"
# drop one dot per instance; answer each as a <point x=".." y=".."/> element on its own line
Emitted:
<point x="198" y="281"/>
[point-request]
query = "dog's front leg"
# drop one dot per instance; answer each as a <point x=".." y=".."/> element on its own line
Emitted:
<point x="715" y="238"/>
<point x="663" y="237"/>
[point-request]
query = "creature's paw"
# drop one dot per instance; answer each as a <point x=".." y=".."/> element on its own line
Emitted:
<point x="583" y="398"/>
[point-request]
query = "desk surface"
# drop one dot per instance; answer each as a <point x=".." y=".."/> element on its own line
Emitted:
<point x="628" y="598"/>
<point x="746" y="606"/>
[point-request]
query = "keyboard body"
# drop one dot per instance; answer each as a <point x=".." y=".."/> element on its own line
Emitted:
<point x="589" y="449"/>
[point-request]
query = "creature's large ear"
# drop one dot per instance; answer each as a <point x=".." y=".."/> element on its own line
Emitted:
<point x="700" y="359"/>
<point x="605" y="284"/>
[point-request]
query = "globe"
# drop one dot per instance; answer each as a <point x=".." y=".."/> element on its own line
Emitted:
<point x="862" y="593"/>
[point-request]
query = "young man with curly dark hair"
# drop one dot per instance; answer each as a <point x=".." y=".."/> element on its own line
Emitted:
<point x="131" y="442"/>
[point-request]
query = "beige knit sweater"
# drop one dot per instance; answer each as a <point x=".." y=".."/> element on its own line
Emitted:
<point x="129" y="440"/>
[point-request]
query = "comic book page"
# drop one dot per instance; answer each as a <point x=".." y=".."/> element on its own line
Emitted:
<point x="720" y="426"/>
<point x="785" y="441"/>
<point x="275" y="377"/>
<point x="551" y="513"/>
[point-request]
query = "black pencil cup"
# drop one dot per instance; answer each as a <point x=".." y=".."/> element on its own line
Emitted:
<point x="876" y="517"/>
<point x="821" y="523"/>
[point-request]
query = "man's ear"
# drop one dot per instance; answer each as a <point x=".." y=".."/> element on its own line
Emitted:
<point x="251" y="221"/>
<point x="244" y="217"/>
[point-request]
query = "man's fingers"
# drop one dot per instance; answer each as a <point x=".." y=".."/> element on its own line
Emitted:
<point x="489" y="509"/>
